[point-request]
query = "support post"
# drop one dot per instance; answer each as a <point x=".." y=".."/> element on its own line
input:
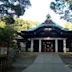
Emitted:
<point x="39" y="45"/>
<point x="64" y="45"/>
<point x="56" y="45"/>
<point x="24" y="46"/>
<point x="31" y="45"/>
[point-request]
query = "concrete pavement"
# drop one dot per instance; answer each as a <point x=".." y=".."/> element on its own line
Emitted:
<point x="47" y="62"/>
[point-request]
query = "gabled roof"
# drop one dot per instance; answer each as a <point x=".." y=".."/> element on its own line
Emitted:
<point x="39" y="31"/>
<point x="48" y="23"/>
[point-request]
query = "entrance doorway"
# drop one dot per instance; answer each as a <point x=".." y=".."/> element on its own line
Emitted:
<point x="36" y="46"/>
<point x="60" y="45"/>
<point x="48" y="45"/>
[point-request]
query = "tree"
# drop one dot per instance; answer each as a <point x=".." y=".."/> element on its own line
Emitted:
<point x="7" y="19"/>
<point x="63" y="8"/>
<point x="7" y="33"/>
<point x="68" y="26"/>
<point x="21" y="25"/>
<point x="13" y="7"/>
<point x="69" y="1"/>
<point x="7" y="43"/>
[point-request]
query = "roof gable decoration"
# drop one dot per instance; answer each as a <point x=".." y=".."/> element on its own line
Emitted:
<point x="48" y="18"/>
<point x="47" y="29"/>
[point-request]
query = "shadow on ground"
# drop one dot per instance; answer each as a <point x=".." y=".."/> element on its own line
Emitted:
<point x="22" y="61"/>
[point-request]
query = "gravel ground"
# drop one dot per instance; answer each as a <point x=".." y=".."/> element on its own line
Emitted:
<point x="67" y="59"/>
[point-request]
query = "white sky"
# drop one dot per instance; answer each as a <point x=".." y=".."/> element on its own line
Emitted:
<point x="39" y="10"/>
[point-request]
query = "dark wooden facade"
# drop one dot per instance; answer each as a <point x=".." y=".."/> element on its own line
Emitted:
<point x="48" y="32"/>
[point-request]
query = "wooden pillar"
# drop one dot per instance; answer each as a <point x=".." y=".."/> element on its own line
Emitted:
<point x="64" y="45"/>
<point x="56" y="45"/>
<point x="31" y="45"/>
<point x="24" y="46"/>
<point x="39" y="45"/>
<point x="18" y="43"/>
<point x="19" y="47"/>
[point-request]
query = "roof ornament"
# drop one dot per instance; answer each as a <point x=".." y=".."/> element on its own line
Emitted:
<point x="48" y="18"/>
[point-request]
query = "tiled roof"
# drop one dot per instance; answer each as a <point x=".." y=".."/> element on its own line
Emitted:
<point x="48" y="23"/>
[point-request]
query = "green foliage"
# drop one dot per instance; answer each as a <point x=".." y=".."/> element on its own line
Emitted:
<point x="6" y="34"/>
<point x="13" y="7"/>
<point x="68" y="26"/>
<point x="7" y="19"/>
<point x="69" y="1"/>
<point x="21" y="25"/>
<point x="18" y="24"/>
<point x="2" y="24"/>
<point x="63" y="8"/>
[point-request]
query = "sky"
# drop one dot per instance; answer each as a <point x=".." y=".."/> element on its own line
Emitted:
<point x="39" y="10"/>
